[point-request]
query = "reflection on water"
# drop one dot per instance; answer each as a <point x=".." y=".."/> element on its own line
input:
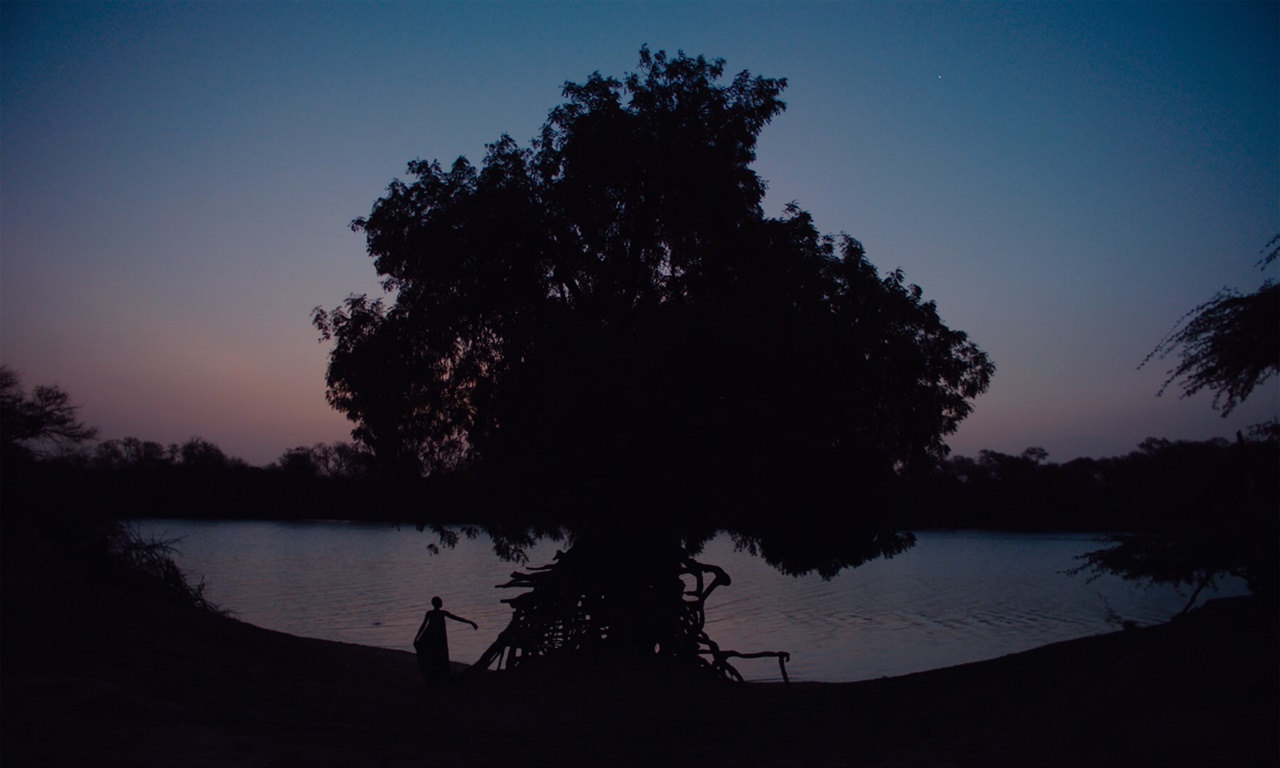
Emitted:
<point x="955" y="597"/>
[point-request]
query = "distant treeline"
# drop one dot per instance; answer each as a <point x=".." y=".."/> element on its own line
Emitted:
<point x="1158" y="487"/>
<point x="1163" y="485"/>
<point x="133" y="478"/>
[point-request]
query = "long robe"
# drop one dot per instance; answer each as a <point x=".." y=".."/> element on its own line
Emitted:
<point x="432" y="647"/>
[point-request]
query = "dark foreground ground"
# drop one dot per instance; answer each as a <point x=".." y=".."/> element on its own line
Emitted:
<point x="95" y="675"/>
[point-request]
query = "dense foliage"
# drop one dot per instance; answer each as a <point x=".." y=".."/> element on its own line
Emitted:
<point x="55" y="507"/>
<point x="606" y="331"/>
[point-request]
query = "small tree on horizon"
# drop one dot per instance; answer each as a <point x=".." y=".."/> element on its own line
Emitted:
<point x="1229" y="345"/>
<point x="38" y="423"/>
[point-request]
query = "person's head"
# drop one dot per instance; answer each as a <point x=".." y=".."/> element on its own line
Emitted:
<point x="437" y="603"/>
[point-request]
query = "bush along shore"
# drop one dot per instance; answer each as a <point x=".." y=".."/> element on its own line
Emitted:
<point x="104" y="666"/>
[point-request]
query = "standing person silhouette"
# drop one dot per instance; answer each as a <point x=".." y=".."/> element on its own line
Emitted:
<point x="432" y="642"/>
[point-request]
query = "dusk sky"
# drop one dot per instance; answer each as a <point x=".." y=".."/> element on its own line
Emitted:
<point x="1065" y="180"/>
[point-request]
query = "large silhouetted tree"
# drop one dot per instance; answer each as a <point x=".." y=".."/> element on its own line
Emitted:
<point x="608" y="333"/>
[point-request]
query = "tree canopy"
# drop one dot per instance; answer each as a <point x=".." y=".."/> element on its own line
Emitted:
<point x="44" y="421"/>
<point x="607" y="330"/>
<point x="1228" y="345"/>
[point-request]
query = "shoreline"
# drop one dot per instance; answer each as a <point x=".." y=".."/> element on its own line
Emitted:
<point x="94" y="674"/>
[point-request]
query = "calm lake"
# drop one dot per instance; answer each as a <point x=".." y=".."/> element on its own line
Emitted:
<point x="956" y="597"/>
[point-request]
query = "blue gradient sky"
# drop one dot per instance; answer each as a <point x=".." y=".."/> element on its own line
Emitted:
<point x="1066" y="179"/>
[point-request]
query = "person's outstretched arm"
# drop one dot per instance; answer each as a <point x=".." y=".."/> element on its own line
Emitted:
<point x="464" y="621"/>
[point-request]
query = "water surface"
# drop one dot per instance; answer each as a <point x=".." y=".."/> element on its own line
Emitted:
<point x="955" y="597"/>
